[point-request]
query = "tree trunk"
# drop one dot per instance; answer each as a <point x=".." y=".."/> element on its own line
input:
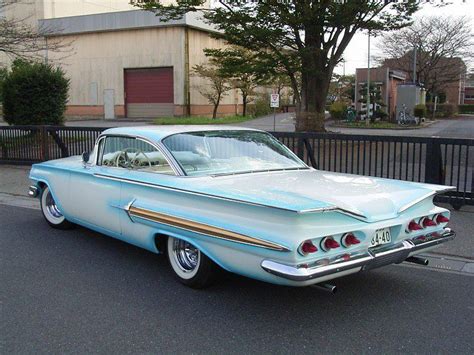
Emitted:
<point x="214" y="111"/>
<point x="310" y="113"/>
<point x="216" y="106"/>
<point x="244" y="104"/>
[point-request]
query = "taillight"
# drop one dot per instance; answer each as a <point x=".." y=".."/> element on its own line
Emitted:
<point x="307" y="247"/>
<point x="413" y="226"/>
<point x="441" y="219"/>
<point x="328" y="243"/>
<point x="426" y="222"/>
<point x="349" y="239"/>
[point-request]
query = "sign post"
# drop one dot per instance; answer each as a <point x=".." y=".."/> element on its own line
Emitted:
<point x="274" y="103"/>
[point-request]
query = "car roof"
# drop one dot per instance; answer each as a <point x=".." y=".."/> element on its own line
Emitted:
<point x="157" y="133"/>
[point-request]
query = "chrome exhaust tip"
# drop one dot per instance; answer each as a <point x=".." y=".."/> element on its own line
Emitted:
<point x="417" y="260"/>
<point x="325" y="287"/>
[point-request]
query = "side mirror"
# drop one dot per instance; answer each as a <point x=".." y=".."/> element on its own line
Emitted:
<point x="85" y="157"/>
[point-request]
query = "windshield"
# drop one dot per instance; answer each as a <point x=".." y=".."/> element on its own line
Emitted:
<point x="230" y="152"/>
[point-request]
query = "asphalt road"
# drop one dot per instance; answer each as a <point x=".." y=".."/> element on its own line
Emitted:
<point x="461" y="127"/>
<point x="80" y="292"/>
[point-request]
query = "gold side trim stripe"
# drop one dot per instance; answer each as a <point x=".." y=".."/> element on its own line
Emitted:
<point x="202" y="228"/>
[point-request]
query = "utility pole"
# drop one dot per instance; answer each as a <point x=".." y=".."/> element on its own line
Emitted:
<point x="414" y="64"/>
<point x="367" y="117"/>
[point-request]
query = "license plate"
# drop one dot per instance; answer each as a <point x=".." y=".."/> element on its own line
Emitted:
<point x="381" y="236"/>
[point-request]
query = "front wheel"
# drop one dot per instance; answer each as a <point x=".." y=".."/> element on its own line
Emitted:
<point x="51" y="212"/>
<point x="191" y="267"/>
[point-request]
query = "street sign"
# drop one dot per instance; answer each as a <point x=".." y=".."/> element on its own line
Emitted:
<point x="274" y="100"/>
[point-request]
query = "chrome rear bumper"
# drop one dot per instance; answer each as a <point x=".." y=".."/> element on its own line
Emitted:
<point x="371" y="259"/>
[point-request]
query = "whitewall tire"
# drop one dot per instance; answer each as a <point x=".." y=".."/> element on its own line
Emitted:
<point x="189" y="264"/>
<point x="51" y="212"/>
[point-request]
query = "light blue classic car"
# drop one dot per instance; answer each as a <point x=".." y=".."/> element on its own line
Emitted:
<point x="214" y="198"/>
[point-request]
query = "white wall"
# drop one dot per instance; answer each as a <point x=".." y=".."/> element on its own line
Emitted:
<point x="101" y="58"/>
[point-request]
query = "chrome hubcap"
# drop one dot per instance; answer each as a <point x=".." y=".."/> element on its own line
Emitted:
<point x="53" y="210"/>
<point x="185" y="254"/>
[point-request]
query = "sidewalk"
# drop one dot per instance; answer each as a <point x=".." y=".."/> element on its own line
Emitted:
<point x="14" y="185"/>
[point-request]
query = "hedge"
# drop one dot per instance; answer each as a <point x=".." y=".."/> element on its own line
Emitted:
<point x="420" y="111"/>
<point x="34" y="94"/>
<point x="338" y="110"/>
<point x="442" y="110"/>
<point x="466" y="108"/>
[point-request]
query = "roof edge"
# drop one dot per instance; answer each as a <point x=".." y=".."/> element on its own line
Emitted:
<point x="118" y="21"/>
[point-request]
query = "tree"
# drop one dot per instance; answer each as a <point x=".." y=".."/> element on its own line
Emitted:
<point x="341" y="88"/>
<point x="34" y="93"/>
<point x="3" y="75"/>
<point x="440" y="44"/>
<point x="236" y="64"/>
<point x="304" y="38"/>
<point x="18" y="39"/>
<point x="217" y="87"/>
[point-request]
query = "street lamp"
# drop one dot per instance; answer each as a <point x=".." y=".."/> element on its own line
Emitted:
<point x="367" y="117"/>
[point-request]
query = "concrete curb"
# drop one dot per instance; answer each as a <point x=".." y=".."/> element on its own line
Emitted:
<point x="440" y="262"/>
<point x="400" y="128"/>
<point x="19" y="201"/>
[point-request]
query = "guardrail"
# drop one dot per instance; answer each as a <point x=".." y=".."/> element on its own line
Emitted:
<point x="445" y="161"/>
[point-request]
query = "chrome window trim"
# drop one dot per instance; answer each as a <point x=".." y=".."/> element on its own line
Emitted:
<point x="172" y="163"/>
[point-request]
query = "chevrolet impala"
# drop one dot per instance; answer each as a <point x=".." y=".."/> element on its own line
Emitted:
<point x="213" y="198"/>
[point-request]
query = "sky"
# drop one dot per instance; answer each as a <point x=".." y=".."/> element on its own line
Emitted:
<point x="356" y="53"/>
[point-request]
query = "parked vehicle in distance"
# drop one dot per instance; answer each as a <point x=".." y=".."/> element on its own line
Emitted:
<point x="237" y="199"/>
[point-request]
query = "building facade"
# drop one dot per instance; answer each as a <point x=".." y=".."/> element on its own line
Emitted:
<point x="124" y="62"/>
<point x="468" y="92"/>
<point x="447" y="77"/>
<point x="386" y="80"/>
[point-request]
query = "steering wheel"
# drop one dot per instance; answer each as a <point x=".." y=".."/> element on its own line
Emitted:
<point x="124" y="161"/>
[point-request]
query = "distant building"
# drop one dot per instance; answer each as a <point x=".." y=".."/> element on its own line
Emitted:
<point x="126" y="62"/>
<point x="449" y="73"/>
<point x="468" y="92"/>
<point x="387" y="79"/>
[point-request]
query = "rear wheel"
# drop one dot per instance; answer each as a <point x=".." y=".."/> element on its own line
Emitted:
<point x="191" y="267"/>
<point x="51" y="212"/>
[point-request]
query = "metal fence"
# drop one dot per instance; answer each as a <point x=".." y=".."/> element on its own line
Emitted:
<point x="443" y="161"/>
<point x="32" y="144"/>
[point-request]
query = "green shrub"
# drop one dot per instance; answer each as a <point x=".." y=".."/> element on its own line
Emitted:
<point x="420" y="111"/>
<point x="466" y="108"/>
<point x="260" y="106"/>
<point x="442" y="110"/>
<point x="34" y="94"/>
<point x="3" y="74"/>
<point x="338" y="110"/>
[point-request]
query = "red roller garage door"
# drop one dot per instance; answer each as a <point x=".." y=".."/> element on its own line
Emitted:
<point x="149" y="92"/>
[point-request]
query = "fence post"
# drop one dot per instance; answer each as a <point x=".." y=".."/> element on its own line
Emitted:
<point x="300" y="148"/>
<point x="434" y="163"/>
<point x="44" y="143"/>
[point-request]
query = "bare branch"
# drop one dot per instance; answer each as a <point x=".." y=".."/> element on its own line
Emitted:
<point x="19" y="39"/>
<point x="441" y="44"/>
